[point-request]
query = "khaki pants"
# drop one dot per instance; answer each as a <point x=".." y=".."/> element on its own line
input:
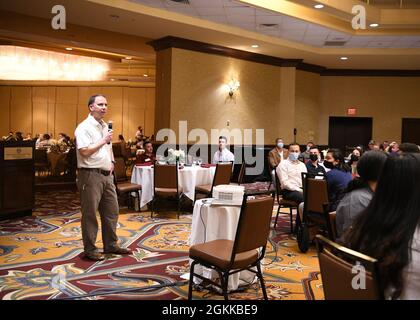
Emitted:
<point x="97" y="193"/>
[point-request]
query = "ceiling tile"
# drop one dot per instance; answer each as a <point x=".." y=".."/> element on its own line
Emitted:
<point x="210" y="11"/>
<point x="206" y="3"/>
<point x="241" y="19"/>
<point x="220" y="19"/>
<point x="239" y="11"/>
<point x="269" y="19"/>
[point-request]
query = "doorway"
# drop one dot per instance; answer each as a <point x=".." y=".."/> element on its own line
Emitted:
<point x="410" y="130"/>
<point x="346" y="133"/>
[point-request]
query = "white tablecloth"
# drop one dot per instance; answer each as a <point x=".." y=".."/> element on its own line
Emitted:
<point x="212" y="223"/>
<point x="188" y="179"/>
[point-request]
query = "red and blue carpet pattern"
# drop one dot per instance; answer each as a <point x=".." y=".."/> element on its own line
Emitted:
<point x="41" y="258"/>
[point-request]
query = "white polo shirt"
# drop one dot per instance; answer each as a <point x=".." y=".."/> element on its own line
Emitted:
<point x="223" y="156"/>
<point x="87" y="133"/>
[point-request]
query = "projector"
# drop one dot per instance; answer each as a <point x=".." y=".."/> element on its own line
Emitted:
<point x="226" y="194"/>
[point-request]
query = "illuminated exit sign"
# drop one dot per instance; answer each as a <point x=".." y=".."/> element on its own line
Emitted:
<point x="351" y="111"/>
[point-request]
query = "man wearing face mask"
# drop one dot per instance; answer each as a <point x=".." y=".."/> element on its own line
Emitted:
<point x="313" y="166"/>
<point x="290" y="175"/>
<point x="305" y="155"/>
<point x="276" y="155"/>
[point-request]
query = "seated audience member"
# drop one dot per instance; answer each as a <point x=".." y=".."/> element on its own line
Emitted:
<point x="406" y="148"/>
<point x="148" y="156"/>
<point x="121" y="138"/>
<point x="337" y="178"/>
<point x="353" y="159"/>
<point x="371" y="145"/>
<point x="28" y="137"/>
<point x="393" y="148"/>
<point x="276" y="155"/>
<point x="223" y="154"/>
<point x="384" y="145"/>
<point x="313" y="165"/>
<point x="139" y="133"/>
<point x="45" y="141"/>
<point x="360" y="191"/>
<point x="10" y="137"/>
<point x="289" y="172"/>
<point x="305" y="155"/>
<point x="19" y="136"/>
<point x="389" y="230"/>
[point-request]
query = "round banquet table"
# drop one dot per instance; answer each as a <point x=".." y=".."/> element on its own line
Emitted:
<point x="188" y="179"/>
<point x="213" y="222"/>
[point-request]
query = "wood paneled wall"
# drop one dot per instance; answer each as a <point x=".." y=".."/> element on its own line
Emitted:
<point x="55" y="109"/>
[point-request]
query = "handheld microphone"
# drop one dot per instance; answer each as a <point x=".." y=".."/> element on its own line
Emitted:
<point x="110" y="122"/>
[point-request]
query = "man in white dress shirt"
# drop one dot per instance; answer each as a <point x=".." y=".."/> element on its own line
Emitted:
<point x="223" y="154"/>
<point x="95" y="163"/>
<point x="290" y="175"/>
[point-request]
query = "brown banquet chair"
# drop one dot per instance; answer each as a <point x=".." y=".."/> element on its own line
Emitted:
<point x="122" y="183"/>
<point x="166" y="186"/>
<point x="245" y="252"/>
<point x="337" y="265"/>
<point x="222" y="175"/>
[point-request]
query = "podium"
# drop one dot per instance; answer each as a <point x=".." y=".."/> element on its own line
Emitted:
<point x="17" y="178"/>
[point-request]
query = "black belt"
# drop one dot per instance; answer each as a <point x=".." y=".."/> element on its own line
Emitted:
<point x="104" y="172"/>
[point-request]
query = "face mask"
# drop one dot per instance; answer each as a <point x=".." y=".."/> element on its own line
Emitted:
<point x="354" y="158"/>
<point x="313" y="157"/>
<point x="328" y="164"/>
<point x="293" y="156"/>
<point x="280" y="145"/>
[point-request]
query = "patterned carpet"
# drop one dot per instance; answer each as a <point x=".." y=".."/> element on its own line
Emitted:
<point x="41" y="258"/>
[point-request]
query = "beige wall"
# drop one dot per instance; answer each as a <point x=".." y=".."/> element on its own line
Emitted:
<point x="386" y="99"/>
<point x="276" y="99"/>
<point x="199" y="95"/>
<point x="307" y="106"/>
<point x="55" y="109"/>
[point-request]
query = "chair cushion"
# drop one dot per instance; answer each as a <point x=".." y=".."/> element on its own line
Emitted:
<point x="167" y="192"/>
<point x="127" y="187"/>
<point x="288" y="203"/>
<point x="203" y="188"/>
<point x="218" y="253"/>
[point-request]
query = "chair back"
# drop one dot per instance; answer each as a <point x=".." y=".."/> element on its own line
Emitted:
<point x="315" y="193"/>
<point x="222" y="174"/>
<point x="40" y="156"/>
<point x="116" y="149"/>
<point x="120" y="172"/>
<point x="339" y="280"/>
<point x="166" y="176"/>
<point x="278" y="186"/>
<point x="254" y="225"/>
<point x="241" y="175"/>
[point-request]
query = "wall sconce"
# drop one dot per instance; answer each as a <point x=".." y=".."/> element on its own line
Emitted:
<point x="233" y="86"/>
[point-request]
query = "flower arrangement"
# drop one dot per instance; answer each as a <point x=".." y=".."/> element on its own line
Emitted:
<point x="176" y="155"/>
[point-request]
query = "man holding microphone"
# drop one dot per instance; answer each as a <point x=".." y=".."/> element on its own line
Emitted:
<point x="95" y="162"/>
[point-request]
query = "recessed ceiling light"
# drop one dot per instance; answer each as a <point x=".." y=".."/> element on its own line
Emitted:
<point x="128" y="58"/>
<point x="344" y="58"/>
<point x="374" y="25"/>
<point x="255" y="46"/>
<point x="145" y="75"/>
<point x="318" y="6"/>
<point x="69" y="49"/>
<point x="112" y="79"/>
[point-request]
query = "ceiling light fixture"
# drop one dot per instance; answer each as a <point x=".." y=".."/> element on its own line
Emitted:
<point x="69" y="49"/>
<point x="128" y="58"/>
<point x="374" y="25"/>
<point x="145" y="75"/>
<point x="318" y="6"/>
<point x="344" y="58"/>
<point x="255" y="46"/>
